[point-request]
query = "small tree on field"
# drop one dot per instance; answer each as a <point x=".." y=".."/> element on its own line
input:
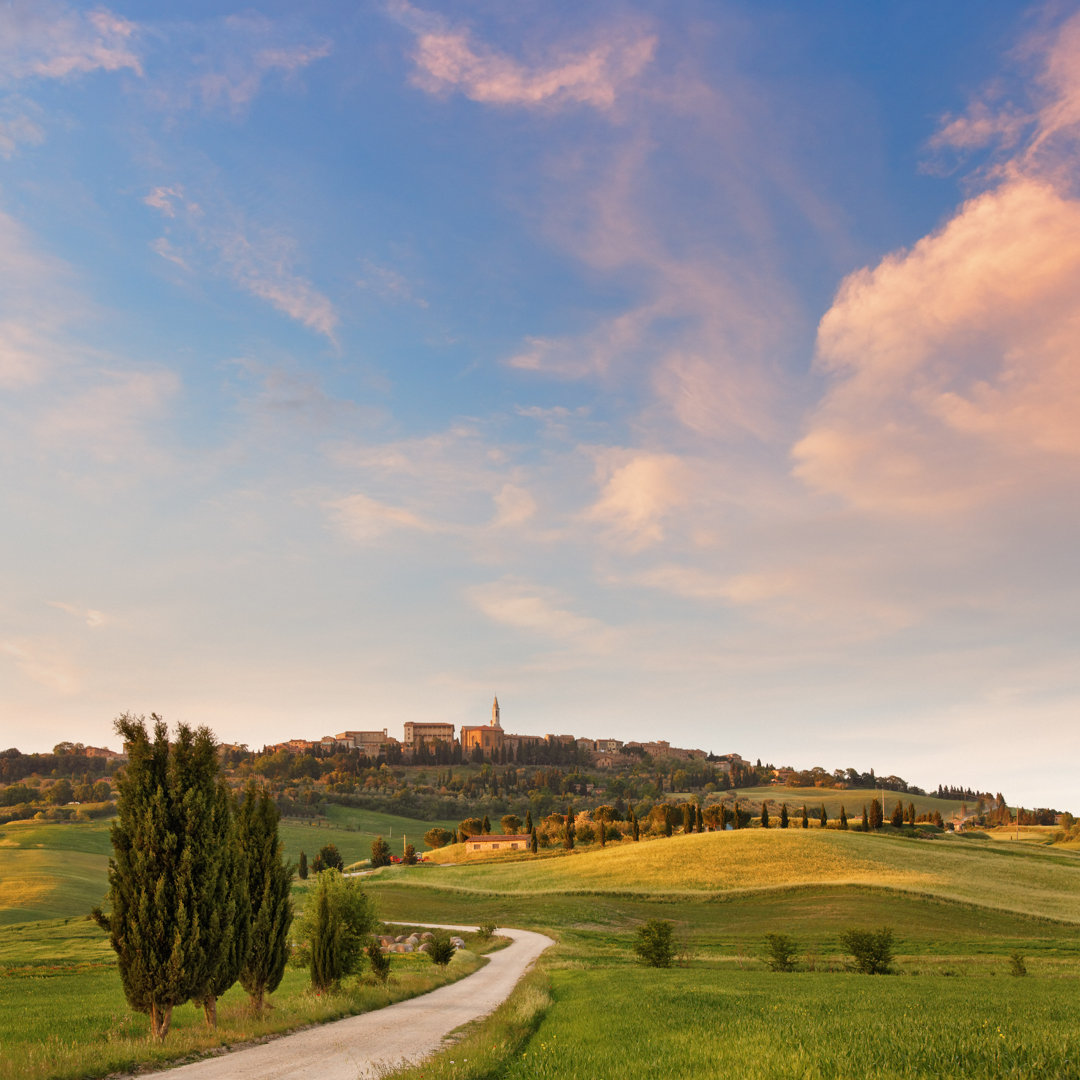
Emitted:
<point x="635" y="828"/>
<point x="528" y="821"/>
<point x="823" y="817"/>
<point x="783" y="816"/>
<point x="441" y="949"/>
<point x="331" y="933"/>
<point x="438" y="837"/>
<point x="510" y="823"/>
<point x="533" y="844"/>
<point x="409" y="855"/>
<point x="330" y="857"/>
<point x="735" y="822"/>
<point x="471" y="826"/>
<point x="872" y="949"/>
<point x="765" y="813"/>
<point x="380" y="852"/>
<point x="805" y="818"/>
<point x="568" y="835"/>
<point x="486" y="825"/>
<point x="911" y="813"/>
<point x="486" y="930"/>
<point x="843" y="817"/>
<point x="898" y="815"/>
<point x="780" y="952"/>
<point x="301" y="867"/>
<point x="379" y="961"/>
<point x="655" y="943"/>
<point x="875" y="815"/>
<point x="865" y="819"/>
<point x="700" y="825"/>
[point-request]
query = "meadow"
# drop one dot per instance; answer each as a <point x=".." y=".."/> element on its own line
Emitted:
<point x="851" y="799"/>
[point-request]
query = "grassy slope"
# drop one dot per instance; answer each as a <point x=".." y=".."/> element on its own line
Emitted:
<point x="851" y="799"/>
<point x="1021" y="878"/>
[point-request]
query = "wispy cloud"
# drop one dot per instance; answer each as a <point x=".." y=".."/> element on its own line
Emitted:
<point x="388" y="284"/>
<point x="450" y="58"/>
<point x="52" y="40"/>
<point x="364" y="519"/>
<point x="258" y="259"/>
<point x="42" y="663"/>
<point x="639" y="491"/>
<point x="91" y="616"/>
<point x="542" y="611"/>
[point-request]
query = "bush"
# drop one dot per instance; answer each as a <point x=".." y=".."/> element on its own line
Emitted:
<point x="1016" y="964"/>
<point x="379" y="961"/>
<point x="442" y="948"/>
<point x="655" y="943"/>
<point x="438" y="837"/>
<point x="330" y="858"/>
<point x="486" y="931"/>
<point x="409" y="858"/>
<point x="380" y="852"/>
<point x="329" y="934"/>
<point x="780" y="952"/>
<point x="872" y="949"/>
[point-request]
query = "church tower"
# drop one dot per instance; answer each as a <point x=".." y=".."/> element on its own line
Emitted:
<point x="495" y="712"/>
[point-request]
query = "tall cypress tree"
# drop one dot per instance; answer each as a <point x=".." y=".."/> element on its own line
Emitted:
<point x="805" y="818"/>
<point x="865" y="819"/>
<point x="269" y="881"/>
<point x="783" y="816"/>
<point x="843" y="817"/>
<point x="635" y="828"/>
<point x="528" y="821"/>
<point x="764" y="813"/>
<point x="301" y="867"/>
<point x="700" y="819"/>
<point x="875" y="815"/>
<point x="823" y="817"/>
<point x="149" y="924"/>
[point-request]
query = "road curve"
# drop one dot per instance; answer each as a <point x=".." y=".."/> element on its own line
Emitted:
<point x="373" y="1043"/>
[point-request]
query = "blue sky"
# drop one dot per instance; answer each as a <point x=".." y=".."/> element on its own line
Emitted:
<point x="707" y="373"/>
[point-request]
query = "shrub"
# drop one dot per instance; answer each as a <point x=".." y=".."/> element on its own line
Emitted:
<point x="380" y="962"/>
<point x="380" y="852"/>
<point x="872" y="949"/>
<point x="442" y="949"/>
<point x="780" y="952"/>
<point x="409" y="857"/>
<point x="486" y="931"/>
<point x="655" y="943"/>
<point x="438" y="837"/>
<point x="330" y="858"/>
<point x="1016" y="964"/>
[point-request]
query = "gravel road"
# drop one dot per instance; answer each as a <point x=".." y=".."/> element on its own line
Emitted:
<point x="373" y="1043"/>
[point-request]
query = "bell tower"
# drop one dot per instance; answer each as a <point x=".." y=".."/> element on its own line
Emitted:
<point x="495" y="712"/>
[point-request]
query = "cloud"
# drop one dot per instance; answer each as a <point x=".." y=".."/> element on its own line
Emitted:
<point x="42" y="664"/>
<point x="43" y="39"/>
<point x="640" y="490"/>
<point x="389" y="284"/>
<point x="955" y="366"/>
<point x="364" y="519"/>
<point x="258" y="259"/>
<point x="541" y="611"/>
<point x="514" y="506"/>
<point x="449" y="59"/>
<point x="92" y="617"/>
<point x="18" y="125"/>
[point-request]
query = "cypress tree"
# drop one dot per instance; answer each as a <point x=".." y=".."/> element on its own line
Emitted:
<point x="898" y="815"/>
<point x="783" y="816"/>
<point x="735" y="822"/>
<point x="301" y="869"/>
<point x="805" y="818"/>
<point x="634" y="824"/>
<point x="911" y="813"/>
<point x="568" y="839"/>
<point x="700" y="820"/>
<point x="823" y="817"/>
<point x="486" y="827"/>
<point x="875" y="815"/>
<point x="843" y="817"/>
<point x="865" y="819"/>
<point x="532" y="840"/>
<point x="528" y="821"/>
<point x="269" y="882"/>
<point x="149" y="924"/>
<point x="764" y="813"/>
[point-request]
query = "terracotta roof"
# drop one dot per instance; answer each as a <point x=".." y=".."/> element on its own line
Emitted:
<point x="495" y="836"/>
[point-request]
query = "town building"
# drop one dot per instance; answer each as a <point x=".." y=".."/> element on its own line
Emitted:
<point x="491" y="842"/>
<point x="489" y="738"/>
<point x="415" y="733"/>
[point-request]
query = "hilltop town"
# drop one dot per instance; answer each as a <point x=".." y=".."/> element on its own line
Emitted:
<point x="436" y="743"/>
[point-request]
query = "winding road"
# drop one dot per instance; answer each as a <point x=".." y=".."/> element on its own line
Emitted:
<point x="374" y="1043"/>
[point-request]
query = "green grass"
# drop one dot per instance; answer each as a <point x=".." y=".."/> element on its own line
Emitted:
<point x="1019" y="878"/>
<point x="63" y="1013"/>
<point x="852" y="799"/>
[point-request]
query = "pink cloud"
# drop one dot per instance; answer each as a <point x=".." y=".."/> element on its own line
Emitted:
<point x="640" y="489"/>
<point x="53" y="40"/>
<point x="449" y="59"/>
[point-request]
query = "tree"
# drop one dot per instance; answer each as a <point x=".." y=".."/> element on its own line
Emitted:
<point x="783" y="816"/>
<point x="843" y="817"/>
<point x="568" y="835"/>
<point x="486" y="825"/>
<point x="898" y="815"/>
<point x="805" y="818"/>
<point x="635" y="828"/>
<point x="655" y="943"/>
<point x="510" y="823"/>
<point x="780" y="952"/>
<point x="380" y="852"/>
<point x="409" y="855"/>
<point x="875" y="815"/>
<point x="471" y="826"/>
<point x="700" y="825"/>
<point x="330" y="857"/>
<point x="911" y="813"/>
<point x="533" y="845"/>
<point x="149" y="926"/>
<point x="301" y="867"/>
<point x="441" y="949"/>
<point x="528" y="821"/>
<point x="438" y="837"/>
<point x="764" y="813"/>
<point x="331" y="933"/>
<point x="379" y="961"/>
<point x="823" y="817"/>
<point x="865" y="819"/>
<point x="61" y="793"/>
<point x="872" y="949"/>
<point x="269" y="882"/>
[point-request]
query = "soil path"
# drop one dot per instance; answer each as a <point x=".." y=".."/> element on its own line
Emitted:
<point x="372" y="1044"/>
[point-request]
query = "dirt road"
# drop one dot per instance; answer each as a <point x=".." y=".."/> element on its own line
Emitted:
<point x="371" y="1044"/>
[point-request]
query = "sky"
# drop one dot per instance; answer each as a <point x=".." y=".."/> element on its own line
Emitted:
<point x="707" y="372"/>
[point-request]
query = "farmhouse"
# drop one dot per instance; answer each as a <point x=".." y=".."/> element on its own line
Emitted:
<point x="491" y="842"/>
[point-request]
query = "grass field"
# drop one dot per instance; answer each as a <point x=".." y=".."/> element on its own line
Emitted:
<point x="1020" y="878"/>
<point x="851" y="799"/>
